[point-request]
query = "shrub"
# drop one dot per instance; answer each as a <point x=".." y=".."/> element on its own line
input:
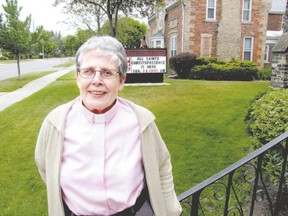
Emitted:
<point x="221" y="70"/>
<point x="268" y="116"/>
<point x="182" y="63"/>
<point x="264" y="74"/>
<point x="3" y="58"/>
<point x="267" y="119"/>
<point x="35" y="57"/>
<point x="206" y="61"/>
<point x="5" y="55"/>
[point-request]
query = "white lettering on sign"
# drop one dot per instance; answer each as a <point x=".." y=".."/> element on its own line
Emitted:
<point x="147" y="64"/>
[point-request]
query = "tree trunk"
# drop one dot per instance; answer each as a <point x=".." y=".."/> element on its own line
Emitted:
<point x="18" y="65"/>
<point x="98" y="24"/>
<point x="111" y="27"/>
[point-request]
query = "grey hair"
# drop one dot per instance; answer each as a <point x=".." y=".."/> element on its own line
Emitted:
<point x="107" y="45"/>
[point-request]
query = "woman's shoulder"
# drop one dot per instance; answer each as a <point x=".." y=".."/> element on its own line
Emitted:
<point x="144" y="115"/>
<point x="59" y="113"/>
<point x="137" y="108"/>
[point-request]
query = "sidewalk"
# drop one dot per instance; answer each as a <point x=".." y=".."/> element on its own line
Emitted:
<point x="9" y="98"/>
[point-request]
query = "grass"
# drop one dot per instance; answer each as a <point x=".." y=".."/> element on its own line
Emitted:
<point x="200" y="121"/>
<point x="66" y="64"/>
<point x="7" y="61"/>
<point x="14" y="83"/>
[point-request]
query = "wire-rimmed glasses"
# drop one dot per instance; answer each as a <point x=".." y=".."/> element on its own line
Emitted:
<point x="89" y="73"/>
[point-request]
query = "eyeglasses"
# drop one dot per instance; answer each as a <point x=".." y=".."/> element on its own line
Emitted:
<point x="89" y="73"/>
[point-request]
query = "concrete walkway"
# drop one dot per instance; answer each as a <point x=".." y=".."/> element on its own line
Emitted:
<point x="9" y="98"/>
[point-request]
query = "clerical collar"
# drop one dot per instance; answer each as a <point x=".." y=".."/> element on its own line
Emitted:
<point x="99" y="118"/>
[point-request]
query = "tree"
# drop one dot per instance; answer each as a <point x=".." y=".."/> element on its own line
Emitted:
<point x="130" y="31"/>
<point x="112" y="8"/>
<point x="14" y="33"/>
<point x="84" y="35"/>
<point x="56" y="38"/>
<point x="47" y="43"/>
<point x="71" y="45"/>
<point x="39" y="37"/>
<point x="86" y="18"/>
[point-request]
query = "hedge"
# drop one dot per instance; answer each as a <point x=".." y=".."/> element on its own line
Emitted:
<point x="267" y="119"/>
<point x="233" y="70"/>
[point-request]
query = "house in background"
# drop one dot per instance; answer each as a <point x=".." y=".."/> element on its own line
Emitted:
<point x="224" y="29"/>
<point x="276" y="18"/>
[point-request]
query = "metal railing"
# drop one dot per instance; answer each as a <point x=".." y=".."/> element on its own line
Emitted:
<point x="244" y="188"/>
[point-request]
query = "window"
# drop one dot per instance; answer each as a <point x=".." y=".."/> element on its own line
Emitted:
<point x="211" y="9"/>
<point x="173" y="46"/>
<point x="248" y="48"/>
<point x="206" y="45"/>
<point x="158" y="44"/>
<point x="266" y="57"/>
<point x="246" y="11"/>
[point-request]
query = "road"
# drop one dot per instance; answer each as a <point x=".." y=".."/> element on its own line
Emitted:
<point x="36" y="65"/>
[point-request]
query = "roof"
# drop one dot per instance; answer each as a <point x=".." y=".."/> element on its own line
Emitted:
<point x="282" y="44"/>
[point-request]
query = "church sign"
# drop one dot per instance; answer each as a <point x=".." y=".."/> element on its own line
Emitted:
<point x="146" y="65"/>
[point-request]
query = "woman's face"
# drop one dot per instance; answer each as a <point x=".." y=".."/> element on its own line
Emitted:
<point x="98" y="94"/>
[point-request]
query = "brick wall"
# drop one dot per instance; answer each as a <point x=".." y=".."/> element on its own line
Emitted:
<point x="152" y="27"/>
<point x="199" y="25"/>
<point x="173" y="26"/>
<point x="275" y="22"/>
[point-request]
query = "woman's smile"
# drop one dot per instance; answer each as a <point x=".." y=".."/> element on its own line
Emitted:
<point x="98" y="92"/>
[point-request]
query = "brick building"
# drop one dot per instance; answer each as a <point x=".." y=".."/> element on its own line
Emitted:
<point x="274" y="28"/>
<point x="224" y="29"/>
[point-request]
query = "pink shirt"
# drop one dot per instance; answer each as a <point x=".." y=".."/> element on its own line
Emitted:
<point x="101" y="170"/>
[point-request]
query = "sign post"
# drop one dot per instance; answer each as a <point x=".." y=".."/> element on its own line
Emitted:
<point x="146" y="65"/>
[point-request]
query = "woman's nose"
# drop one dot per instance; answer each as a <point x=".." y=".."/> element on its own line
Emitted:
<point x="97" y="77"/>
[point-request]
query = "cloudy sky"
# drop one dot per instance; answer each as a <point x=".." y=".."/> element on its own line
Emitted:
<point x="44" y="13"/>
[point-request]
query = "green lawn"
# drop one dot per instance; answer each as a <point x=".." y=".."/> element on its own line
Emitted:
<point x="14" y="83"/>
<point x="200" y="121"/>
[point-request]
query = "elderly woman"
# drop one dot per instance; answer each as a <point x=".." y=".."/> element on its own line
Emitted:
<point x="101" y="154"/>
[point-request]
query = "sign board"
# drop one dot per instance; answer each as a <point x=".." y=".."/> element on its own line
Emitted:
<point x="146" y="61"/>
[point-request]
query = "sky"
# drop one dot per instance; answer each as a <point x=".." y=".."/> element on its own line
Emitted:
<point x="44" y="13"/>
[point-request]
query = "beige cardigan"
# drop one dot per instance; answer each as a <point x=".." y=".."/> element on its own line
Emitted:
<point x="156" y="159"/>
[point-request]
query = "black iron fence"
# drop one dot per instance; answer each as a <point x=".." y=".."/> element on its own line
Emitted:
<point x="255" y="185"/>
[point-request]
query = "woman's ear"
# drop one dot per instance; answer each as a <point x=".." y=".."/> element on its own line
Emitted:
<point x="77" y="79"/>
<point x="122" y="82"/>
